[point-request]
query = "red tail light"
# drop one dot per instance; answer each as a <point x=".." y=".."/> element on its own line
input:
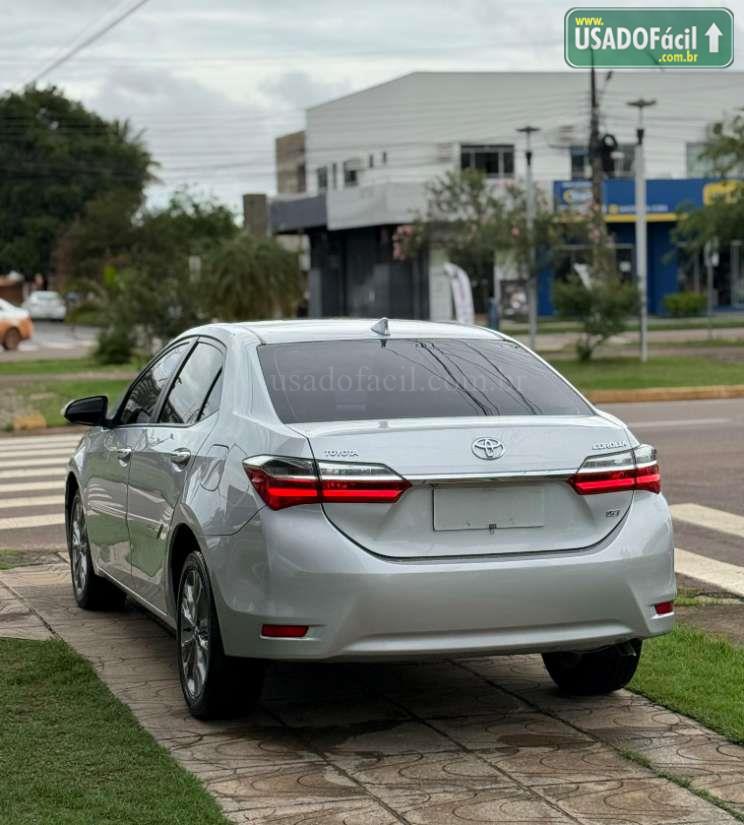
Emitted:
<point x="636" y="469"/>
<point x="283" y="482"/>
<point x="284" y="631"/>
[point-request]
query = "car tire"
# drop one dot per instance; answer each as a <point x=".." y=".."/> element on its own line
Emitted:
<point x="215" y="686"/>
<point x="12" y="339"/>
<point x="91" y="592"/>
<point x="594" y="672"/>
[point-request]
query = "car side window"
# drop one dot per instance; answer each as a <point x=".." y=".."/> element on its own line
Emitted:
<point x="193" y="383"/>
<point x="212" y="403"/>
<point x="142" y="399"/>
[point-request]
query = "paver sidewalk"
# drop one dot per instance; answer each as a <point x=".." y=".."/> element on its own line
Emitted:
<point x="482" y="740"/>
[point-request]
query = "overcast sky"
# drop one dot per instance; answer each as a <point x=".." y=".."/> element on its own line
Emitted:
<point x="212" y="82"/>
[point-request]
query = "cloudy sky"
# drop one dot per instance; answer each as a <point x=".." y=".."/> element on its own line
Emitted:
<point x="212" y="82"/>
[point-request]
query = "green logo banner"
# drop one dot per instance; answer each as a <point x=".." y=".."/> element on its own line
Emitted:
<point x="641" y="38"/>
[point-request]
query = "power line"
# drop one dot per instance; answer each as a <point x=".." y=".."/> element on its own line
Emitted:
<point x="97" y="35"/>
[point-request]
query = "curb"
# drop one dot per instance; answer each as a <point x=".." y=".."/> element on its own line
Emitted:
<point x="666" y="394"/>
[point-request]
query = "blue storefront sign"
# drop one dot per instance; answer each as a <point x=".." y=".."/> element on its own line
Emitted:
<point x="666" y="198"/>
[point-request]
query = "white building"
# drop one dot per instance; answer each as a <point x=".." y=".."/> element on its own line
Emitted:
<point x="369" y="154"/>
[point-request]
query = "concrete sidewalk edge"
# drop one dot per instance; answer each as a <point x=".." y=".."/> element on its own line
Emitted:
<point x="666" y="394"/>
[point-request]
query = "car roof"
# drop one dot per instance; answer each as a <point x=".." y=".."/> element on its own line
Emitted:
<point x="324" y="329"/>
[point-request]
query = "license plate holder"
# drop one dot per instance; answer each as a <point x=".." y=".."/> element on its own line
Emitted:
<point x="488" y="508"/>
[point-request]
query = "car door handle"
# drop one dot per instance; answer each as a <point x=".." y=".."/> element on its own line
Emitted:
<point x="123" y="454"/>
<point x="180" y="456"/>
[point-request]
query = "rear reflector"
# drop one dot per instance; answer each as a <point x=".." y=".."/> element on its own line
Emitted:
<point x="664" y="608"/>
<point x="284" y="482"/>
<point x="284" y="631"/>
<point x="636" y="469"/>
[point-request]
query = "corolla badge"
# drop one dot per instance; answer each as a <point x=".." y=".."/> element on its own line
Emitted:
<point x="487" y="448"/>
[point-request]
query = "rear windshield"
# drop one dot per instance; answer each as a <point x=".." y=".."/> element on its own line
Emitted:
<point x="402" y="378"/>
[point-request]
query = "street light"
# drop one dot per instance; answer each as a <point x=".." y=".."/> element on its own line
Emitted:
<point x="528" y="131"/>
<point x="640" y="230"/>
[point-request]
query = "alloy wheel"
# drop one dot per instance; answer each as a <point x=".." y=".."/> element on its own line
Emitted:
<point x="194" y="633"/>
<point x="78" y="548"/>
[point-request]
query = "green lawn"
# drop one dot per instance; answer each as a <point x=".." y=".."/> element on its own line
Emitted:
<point x="550" y="324"/>
<point x="629" y="373"/>
<point x="696" y="674"/>
<point x="73" y="754"/>
<point x="48" y="397"/>
<point x="58" y="366"/>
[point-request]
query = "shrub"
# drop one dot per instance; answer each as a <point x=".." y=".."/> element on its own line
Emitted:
<point x="685" y="304"/>
<point x="115" y="345"/>
<point x="602" y="309"/>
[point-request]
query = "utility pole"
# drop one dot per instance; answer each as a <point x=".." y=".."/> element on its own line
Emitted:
<point x="595" y="148"/>
<point x="527" y="131"/>
<point x="640" y="226"/>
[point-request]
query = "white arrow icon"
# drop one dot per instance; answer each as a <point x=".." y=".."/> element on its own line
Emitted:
<point x="713" y="34"/>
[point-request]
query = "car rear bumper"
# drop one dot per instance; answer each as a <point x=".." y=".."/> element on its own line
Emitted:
<point x="302" y="571"/>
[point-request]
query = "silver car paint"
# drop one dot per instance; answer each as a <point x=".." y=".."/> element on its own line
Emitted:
<point x="294" y="566"/>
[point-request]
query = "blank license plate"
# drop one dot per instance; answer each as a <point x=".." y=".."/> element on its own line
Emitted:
<point x="488" y="508"/>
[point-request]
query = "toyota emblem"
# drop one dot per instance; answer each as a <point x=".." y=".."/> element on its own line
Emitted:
<point x="487" y="448"/>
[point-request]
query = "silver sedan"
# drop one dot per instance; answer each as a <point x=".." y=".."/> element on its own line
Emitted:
<point x="358" y="490"/>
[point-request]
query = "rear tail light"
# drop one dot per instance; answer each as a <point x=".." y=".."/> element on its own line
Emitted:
<point x="283" y="482"/>
<point x="284" y="631"/>
<point x="664" y="608"/>
<point x="636" y="469"/>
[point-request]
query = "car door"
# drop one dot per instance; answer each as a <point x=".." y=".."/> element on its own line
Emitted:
<point x="161" y="462"/>
<point x="109" y="462"/>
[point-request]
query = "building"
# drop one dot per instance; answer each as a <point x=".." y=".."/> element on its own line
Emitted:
<point x="289" y="152"/>
<point x="369" y="155"/>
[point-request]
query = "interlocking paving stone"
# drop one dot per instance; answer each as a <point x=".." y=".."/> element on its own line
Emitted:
<point x="484" y="740"/>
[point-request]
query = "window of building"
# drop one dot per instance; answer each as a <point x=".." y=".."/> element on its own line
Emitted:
<point x="321" y="176"/>
<point x="698" y="166"/>
<point x="334" y="175"/>
<point x="351" y="175"/>
<point x="384" y="158"/>
<point x="621" y="162"/>
<point x="497" y="161"/>
<point x="371" y="162"/>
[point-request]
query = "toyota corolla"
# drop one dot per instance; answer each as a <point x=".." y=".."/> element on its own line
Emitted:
<point x="358" y="490"/>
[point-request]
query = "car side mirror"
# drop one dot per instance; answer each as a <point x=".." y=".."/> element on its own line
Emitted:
<point x="91" y="411"/>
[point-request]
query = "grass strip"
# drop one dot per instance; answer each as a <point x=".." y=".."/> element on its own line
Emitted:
<point x="72" y="754"/>
<point x="696" y="674"/>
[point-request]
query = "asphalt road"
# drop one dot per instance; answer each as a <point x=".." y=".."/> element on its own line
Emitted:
<point x="701" y="446"/>
<point x="53" y="339"/>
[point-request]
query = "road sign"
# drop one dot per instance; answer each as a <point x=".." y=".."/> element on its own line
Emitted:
<point x="640" y="38"/>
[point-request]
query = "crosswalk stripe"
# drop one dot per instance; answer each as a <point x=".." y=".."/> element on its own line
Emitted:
<point x="33" y="501"/>
<point x="31" y="462"/>
<point x="39" y="442"/>
<point x="31" y="486"/>
<point x="24" y="522"/>
<point x="718" y="573"/>
<point x="34" y="472"/>
<point x="708" y="517"/>
<point x="56" y="452"/>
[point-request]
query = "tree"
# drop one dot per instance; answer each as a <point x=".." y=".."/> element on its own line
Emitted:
<point x="251" y="278"/>
<point x="55" y="158"/>
<point x="722" y="219"/>
<point x="143" y="270"/>
<point x="474" y="221"/>
<point x="600" y="300"/>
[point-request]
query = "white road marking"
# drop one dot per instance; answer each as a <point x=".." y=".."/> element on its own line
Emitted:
<point x="719" y="573"/>
<point x="708" y="517"/>
<point x="60" y="453"/>
<point x="679" y="422"/>
<point x="32" y="462"/>
<point x="34" y="472"/>
<point x="24" y="522"/>
<point x="32" y="486"/>
<point x="34" y="501"/>
<point x="38" y="442"/>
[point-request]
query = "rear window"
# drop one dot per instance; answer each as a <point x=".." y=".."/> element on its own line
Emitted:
<point x="402" y="378"/>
